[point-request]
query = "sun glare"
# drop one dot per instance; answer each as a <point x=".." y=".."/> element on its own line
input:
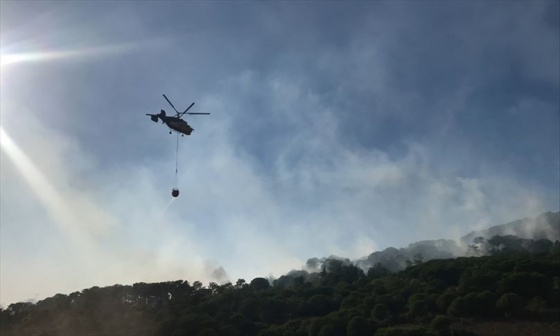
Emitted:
<point x="15" y="58"/>
<point x="7" y="59"/>
<point x="43" y="189"/>
<point x="11" y="58"/>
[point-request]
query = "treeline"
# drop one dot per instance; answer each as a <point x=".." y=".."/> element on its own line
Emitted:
<point x="508" y="243"/>
<point x="439" y="297"/>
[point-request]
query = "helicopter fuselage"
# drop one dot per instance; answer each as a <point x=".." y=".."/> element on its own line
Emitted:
<point x="177" y="124"/>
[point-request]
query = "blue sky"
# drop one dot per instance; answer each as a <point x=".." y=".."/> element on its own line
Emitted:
<point x="337" y="128"/>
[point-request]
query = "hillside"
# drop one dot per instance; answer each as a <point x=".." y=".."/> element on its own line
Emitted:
<point x="545" y="226"/>
<point x="517" y="292"/>
<point x="514" y="290"/>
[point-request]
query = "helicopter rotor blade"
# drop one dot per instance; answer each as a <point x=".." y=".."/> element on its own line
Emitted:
<point x="188" y="108"/>
<point x="197" y="113"/>
<point x="164" y="96"/>
<point x="185" y="111"/>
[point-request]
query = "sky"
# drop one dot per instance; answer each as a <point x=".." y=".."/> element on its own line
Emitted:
<point x="336" y="128"/>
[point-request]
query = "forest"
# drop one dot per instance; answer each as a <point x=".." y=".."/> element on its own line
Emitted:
<point x="509" y="286"/>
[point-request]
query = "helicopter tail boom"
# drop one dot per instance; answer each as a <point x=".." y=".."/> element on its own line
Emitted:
<point x="155" y="117"/>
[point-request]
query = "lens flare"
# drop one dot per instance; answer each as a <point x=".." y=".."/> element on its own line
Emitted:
<point x="45" y="191"/>
<point x="7" y="58"/>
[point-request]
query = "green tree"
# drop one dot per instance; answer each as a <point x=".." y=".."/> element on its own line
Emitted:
<point x="240" y="283"/>
<point x="526" y="284"/>
<point x="403" y="331"/>
<point x="460" y="307"/>
<point x="272" y="310"/>
<point x="319" y="305"/>
<point x="166" y="327"/>
<point x="197" y="285"/>
<point x="250" y="308"/>
<point x="440" y="324"/>
<point x="486" y="303"/>
<point x="419" y="305"/>
<point x="377" y="271"/>
<point x="359" y="326"/>
<point x="510" y="304"/>
<point x="536" y="305"/>
<point x="541" y="246"/>
<point x="193" y="324"/>
<point x="241" y="323"/>
<point x="259" y="284"/>
<point x="505" y="244"/>
<point x="208" y="332"/>
<point x="380" y="311"/>
<point x="444" y="300"/>
<point x="326" y="325"/>
<point x="229" y="330"/>
<point x="327" y="330"/>
<point x="478" y="280"/>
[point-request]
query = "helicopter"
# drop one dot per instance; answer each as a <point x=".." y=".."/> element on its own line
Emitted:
<point x="175" y="123"/>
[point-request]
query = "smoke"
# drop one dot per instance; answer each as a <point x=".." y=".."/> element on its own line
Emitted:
<point x="313" y="265"/>
<point x="544" y="226"/>
<point x="526" y="231"/>
<point x="220" y="275"/>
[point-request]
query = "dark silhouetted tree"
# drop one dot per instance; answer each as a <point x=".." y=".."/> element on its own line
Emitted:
<point x="259" y="284"/>
<point x="510" y="304"/>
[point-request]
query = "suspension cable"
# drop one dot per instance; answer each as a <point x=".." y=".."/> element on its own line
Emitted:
<point x="177" y="161"/>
